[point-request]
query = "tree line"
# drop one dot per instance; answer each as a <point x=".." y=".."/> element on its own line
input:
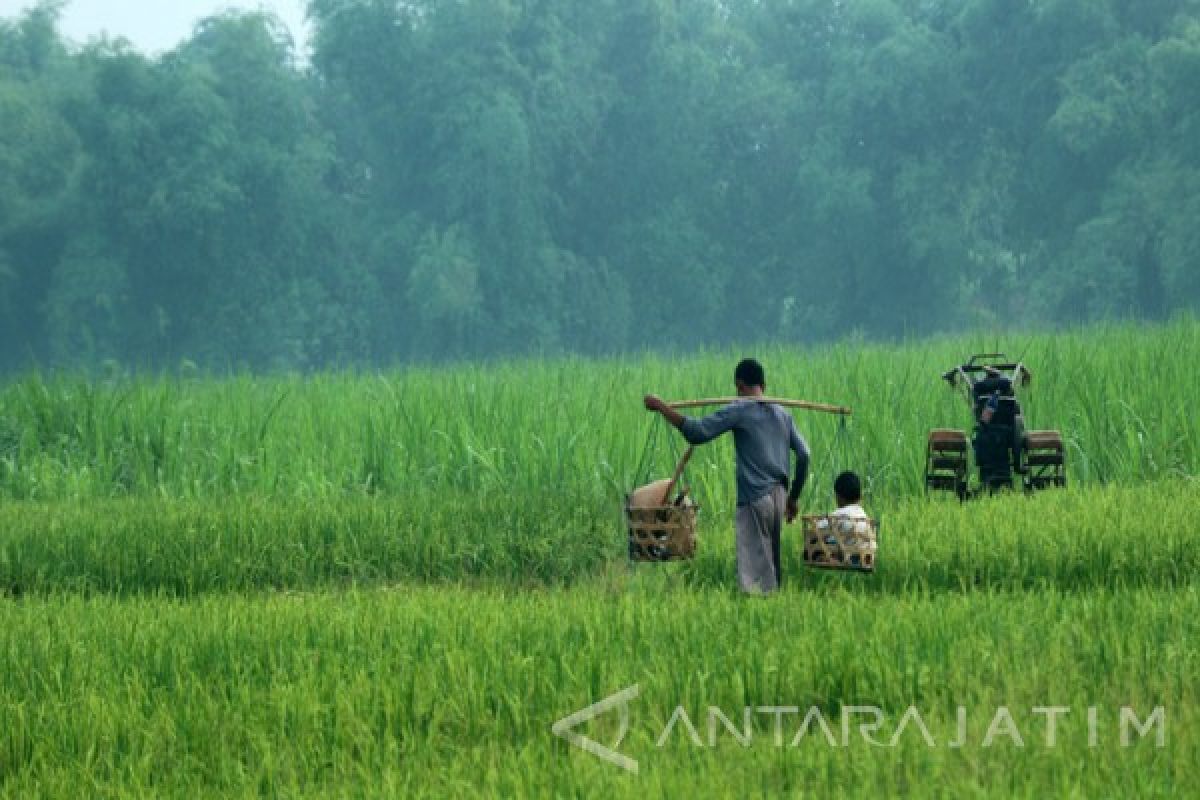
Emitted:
<point x="477" y="178"/>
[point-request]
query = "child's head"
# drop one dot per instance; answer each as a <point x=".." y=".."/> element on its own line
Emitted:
<point x="847" y="488"/>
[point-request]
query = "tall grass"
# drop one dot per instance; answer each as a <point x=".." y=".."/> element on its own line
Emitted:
<point x="1073" y="540"/>
<point x="1122" y="395"/>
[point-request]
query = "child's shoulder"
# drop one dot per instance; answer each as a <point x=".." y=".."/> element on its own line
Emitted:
<point x="856" y="511"/>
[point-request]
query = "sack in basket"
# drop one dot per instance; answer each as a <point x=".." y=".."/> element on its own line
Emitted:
<point x="659" y="531"/>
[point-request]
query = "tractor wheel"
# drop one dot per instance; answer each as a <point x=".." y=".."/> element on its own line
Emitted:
<point x="1044" y="458"/>
<point x="946" y="461"/>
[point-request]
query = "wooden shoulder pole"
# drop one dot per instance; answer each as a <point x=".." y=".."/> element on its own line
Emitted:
<point x="687" y="454"/>
<point x="779" y="401"/>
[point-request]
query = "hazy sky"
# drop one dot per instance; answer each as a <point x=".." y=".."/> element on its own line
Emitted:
<point x="156" y="25"/>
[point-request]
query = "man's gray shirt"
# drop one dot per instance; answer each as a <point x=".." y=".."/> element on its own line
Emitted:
<point x="763" y="433"/>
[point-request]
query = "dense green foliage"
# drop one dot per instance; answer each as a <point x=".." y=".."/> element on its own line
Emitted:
<point x="515" y="473"/>
<point x="448" y="179"/>
<point x="1123" y="396"/>
<point x="1075" y="540"/>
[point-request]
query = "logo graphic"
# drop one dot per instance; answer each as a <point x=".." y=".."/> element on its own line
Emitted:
<point x="872" y="723"/>
<point x="565" y="728"/>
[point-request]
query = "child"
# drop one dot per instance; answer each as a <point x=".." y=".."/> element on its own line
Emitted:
<point x="847" y="490"/>
<point x="845" y="538"/>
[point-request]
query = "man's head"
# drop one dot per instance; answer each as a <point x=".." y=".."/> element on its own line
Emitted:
<point x="749" y="375"/>
<point x="847" y="488"/>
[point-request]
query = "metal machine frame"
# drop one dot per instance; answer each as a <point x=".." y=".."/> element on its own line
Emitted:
<point x="1037" y="457"/>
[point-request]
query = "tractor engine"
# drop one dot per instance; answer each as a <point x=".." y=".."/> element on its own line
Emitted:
<point x="998" y="430"/>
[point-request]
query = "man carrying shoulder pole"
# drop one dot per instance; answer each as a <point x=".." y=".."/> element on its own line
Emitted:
<point x="763" y="435"/>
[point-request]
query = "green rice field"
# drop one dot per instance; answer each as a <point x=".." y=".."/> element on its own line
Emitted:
<point x="393" y="584"/>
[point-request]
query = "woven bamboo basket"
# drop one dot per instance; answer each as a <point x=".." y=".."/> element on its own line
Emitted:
<point x="662" y="533"/>
<point x="659" y="532"/>
<point x="845" y="543"/>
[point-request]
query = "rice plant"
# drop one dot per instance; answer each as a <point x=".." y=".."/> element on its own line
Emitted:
<point x="393" y="584"/>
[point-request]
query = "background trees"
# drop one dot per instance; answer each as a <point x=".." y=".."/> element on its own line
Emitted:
<point x="487" y="177"/>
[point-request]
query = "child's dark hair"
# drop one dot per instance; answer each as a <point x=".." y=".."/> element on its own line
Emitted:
<point x="848" y="487"/>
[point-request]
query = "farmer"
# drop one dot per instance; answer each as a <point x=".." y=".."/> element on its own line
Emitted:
<point x="762" y="435"/>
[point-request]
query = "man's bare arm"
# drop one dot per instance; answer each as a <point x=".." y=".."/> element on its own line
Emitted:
<point x="655" y="403"/>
